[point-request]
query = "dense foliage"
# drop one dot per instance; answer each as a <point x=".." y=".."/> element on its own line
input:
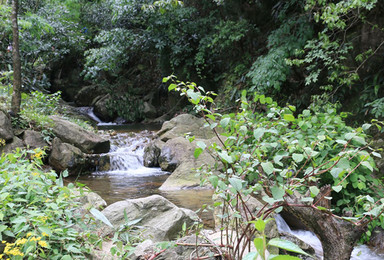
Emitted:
<point x="266" y="148"/>
<point x="39" y="217"/>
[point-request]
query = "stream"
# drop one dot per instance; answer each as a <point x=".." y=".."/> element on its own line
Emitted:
<point x="127" y="177"/>
<point x="360" y="252"/>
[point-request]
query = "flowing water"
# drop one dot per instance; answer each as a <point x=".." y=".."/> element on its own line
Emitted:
<point x="361" y="252"/>
<point x="127" y="177"/>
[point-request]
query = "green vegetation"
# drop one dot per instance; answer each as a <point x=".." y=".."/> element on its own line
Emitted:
<point x="40" y="218"/>
<point x="266" y="148"/>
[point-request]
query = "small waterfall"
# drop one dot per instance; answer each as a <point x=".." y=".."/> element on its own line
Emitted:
<point x="88" y="111"/>
<point x="360" y="252"/>
<point x="126" y="155"/>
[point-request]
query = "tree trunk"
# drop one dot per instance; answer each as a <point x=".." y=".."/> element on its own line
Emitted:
<point x="337" y="236"/>
<point x="16" y="96"/>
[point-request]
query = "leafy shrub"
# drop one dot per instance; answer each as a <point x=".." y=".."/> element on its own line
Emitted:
<point x="264" y="147"/>
<point x="39" y="217"/>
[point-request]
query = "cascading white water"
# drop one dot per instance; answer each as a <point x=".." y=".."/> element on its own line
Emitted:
<point x="126" y="155"/>
<point x="361" y="252"/>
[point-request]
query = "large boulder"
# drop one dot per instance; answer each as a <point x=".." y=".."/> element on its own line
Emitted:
<point x="149" y="111"/>
<point x="66" y="156"/>
<point x="33" y="139"/>
<point x="161" y="219"/>
<point x="87" y="94"/>
<point x="86" y="141"/>
<point x="101" y="109"/>
<point x="184" y="124"/>
<point x="177" y="156"/>
<point x="6" y="132"/>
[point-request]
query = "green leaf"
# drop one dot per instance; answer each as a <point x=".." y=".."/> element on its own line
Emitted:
<point x="343" y="164"/>
<point x="225" y="121"/>
<point x="268" y="167"/>
<point x="224" y="156"/>
<point x="197" y="152"/>
<point x="335" y="172"/>
<point x="337" y="188"/>
<point x="314" y="191"/>
<point x="260" y="224"/>
<point x="283" y="257"/>
<point x="100" y="216"/>
<point x="349" y="136"/>
<point x="289" y="117"/>
<point x="287" y="245"/>
<point x="259" y="245"/>
<point x="277" y="192"/>
<point x="250" y="256"/>
<point x="376" y="154"/>
<point x="258" y="133"/>
<point x="237" y="184"/>
<point x="172" y="87"/>
<point x="66" y="257"/>
<point x="297" y="157"/>
<point x="367" y="165"/>
<point x="214" y="180"/>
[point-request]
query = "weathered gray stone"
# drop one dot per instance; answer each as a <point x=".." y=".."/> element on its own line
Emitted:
<point x="66" y="156"/>
<point x="184" y="124"/>
<point x="12" y="146"/>
<point x="377" y="240"/>
<point x="86" y="141"/>
<point x="86" y="94"/>
<point x="151" y="155"/>
<point x="149" y="111"/>
<point x="161" y="219"/>
<point x="148" y="248"/>
<point x="33" y="139"/>
<point x="90" y="200"/>
<point x="101" y="109"/>
<point x="177" y="156"/>
<point x="6" y="132"/>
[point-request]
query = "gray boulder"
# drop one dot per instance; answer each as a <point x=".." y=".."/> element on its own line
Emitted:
<point x="66" y="156"/>
<point x="86" y="141"/>
<point x="101" y="109"/>
<point x="149" y="111"/>
<point x="12" y="146"/>
<point x="177" y="156"/>
<point x="33" y="139"/>
<point x="151" y="155"/>
<point x="88" y="93"/>
<point x="161" y="220"/>
<point x="184" y="124"/>
<point x="6" y="132"/>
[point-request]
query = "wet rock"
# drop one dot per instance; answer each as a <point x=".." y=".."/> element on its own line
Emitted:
<point x="101" y="109"/>
<point x="377" y="240"/>
<point x="151" y="155"/>
<point x="98" y="162"/>
<point x="12" y="146"/>
<point x="87" y="94"/>
<point x="149" y="111"/>
<point x="302" y="244"/>
<point x="66" y="156"/>
<point x="86" y="141"/>
<point x="6" y="132"/>
<point x="33" y="139"/>
<point x="161" y="219"/>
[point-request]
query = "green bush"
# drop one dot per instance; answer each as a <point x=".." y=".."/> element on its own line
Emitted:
<point x="39" y="216"/>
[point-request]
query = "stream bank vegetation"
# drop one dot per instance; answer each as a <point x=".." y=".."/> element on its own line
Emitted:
<point x="310" y="164"/>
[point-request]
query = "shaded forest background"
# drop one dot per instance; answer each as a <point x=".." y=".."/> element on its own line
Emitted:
<point x="297" y="51"/>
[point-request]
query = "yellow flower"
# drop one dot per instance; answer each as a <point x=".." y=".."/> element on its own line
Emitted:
<point x="44" y="234"/>
<point x="29" y="234"/>
<point x="43" y="243"/>
<point x="47" y="200"/>
<point x="21" y="241"/>
<point x="35" y="173"/>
